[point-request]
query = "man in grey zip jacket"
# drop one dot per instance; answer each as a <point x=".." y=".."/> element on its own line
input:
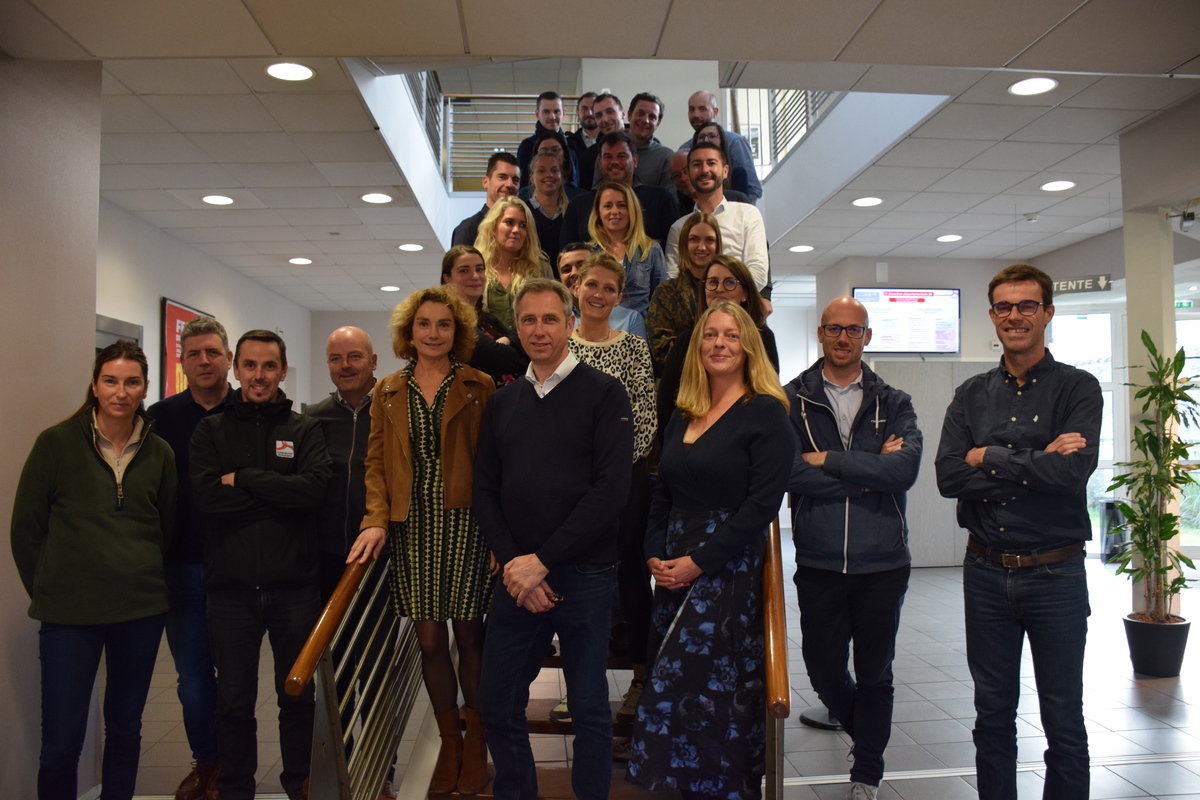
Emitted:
<point x="858" y="452"/>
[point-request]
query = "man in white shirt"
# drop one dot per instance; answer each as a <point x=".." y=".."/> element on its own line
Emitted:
<point x="743" y="234"/>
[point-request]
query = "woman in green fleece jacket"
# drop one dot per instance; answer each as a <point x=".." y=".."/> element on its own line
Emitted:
<point x="91" y="519"/>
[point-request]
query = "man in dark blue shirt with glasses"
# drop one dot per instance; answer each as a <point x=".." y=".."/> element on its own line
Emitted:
<point x="1018" y="446"/>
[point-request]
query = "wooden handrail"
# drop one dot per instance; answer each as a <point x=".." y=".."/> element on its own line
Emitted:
<point x="779" y="693"/>
<point x="326" y="627"/>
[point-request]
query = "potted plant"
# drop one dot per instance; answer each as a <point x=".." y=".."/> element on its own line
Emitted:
<point x="1156" y="637"/>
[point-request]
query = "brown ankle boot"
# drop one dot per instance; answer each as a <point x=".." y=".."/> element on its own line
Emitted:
<point x="449" y="760"/>
<point x="474" y="775"/>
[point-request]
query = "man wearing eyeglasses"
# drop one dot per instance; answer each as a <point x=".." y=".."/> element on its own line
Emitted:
<point x="1018" y="446"/>
<point x="858" y="452"/>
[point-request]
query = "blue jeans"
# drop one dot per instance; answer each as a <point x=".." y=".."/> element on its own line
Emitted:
<point x="187" y="636"/>
<point x="835" y="609"/>
<point x="1050" y="605"/>
<point x="70" y="656"/>
<point x="516" y="643"/>
<point x="237" y="620"/>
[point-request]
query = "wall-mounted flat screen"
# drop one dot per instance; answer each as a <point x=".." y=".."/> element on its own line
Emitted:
<point x="912" y="320"/>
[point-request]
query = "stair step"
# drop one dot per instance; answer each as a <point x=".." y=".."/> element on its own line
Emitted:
<point x="554" y="783"/>
<point x="538" y="715"/>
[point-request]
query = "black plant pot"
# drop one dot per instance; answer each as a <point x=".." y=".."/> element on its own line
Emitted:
<point x="1156" y="649"/>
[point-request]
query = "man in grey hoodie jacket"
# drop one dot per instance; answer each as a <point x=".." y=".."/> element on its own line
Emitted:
<point x="858" y="452"/>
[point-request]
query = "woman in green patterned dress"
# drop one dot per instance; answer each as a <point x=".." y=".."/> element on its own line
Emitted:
<point x="420" y="459"/>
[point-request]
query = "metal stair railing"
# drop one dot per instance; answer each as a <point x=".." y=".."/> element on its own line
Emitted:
<point x="478" y="125"/>
<point x="367" y="665"/>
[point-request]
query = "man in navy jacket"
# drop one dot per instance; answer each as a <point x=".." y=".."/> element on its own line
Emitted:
<point x="858" y="452"/>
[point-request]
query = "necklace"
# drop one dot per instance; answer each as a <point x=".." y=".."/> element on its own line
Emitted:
<point x="608" y="334"/>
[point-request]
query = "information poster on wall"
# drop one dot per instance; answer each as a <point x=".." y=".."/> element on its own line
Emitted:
<point x="911" y="320"/>
<point x="174" y="316"/>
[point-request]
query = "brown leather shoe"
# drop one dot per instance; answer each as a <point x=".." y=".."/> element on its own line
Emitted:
<point x="450" y="756"/>
<point x="210" y="791"/>
<point x="474" y="774"/>
<point x="195" y="784"/>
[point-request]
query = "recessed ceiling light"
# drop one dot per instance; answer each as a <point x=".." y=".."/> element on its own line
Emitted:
<point x="950" y="237"/>
<point x="801" y="248"/>
<point x="217" y="200"/>
<point x="389" y="288"/>
<point x="411" y="248"/>
<point x="1193" y="288"/>
<point x="377" y="197"/>
<point x="286" y="71"/>
<point x="866" y="202"/>
<point x="1058" y="186"/>
<point x="299" y="260"/>
<point x="1032" y="86"/>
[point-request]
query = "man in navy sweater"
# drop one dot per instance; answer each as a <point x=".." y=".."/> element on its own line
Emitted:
<point x="551" y="477"/>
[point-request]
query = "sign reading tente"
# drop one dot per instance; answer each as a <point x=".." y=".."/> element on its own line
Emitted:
<point x="1084" y="283"/>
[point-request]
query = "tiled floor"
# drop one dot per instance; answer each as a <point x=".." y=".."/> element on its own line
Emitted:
<point x="1132" y="722"/>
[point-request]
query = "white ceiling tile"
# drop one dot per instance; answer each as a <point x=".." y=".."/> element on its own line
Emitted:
<point x="942" y="201"/>
<point x="250" y="261"/>
<point x="320" y="233"/>
<point x="933" y="152"/>
<point x="143" y="200"/>
<point x="299" y="247"/>
<point x="1012" y="205"/>
<point x="177" y="76"/>
<point x="189" y="176"/>
<point x="979" y="222"/>
<point x="109" y="84"/>
<point x="248" y="147"/>
<point x="269" y="233"/>
<point x="281" y="281"/>
<point x="1084" y="207"/>
<point x="1134" y="93"/>
<point x="402" y="196"/>
<point x="971" y="121"/>
<point x="328" y="75"/>
<point x="844" y="250"/>
<point x="359" y="262"/>
<point x="846" y="197"/>
<point x="392" y="215"/>
<point x="1013" y="239"/>
<point x="152" y="148"/>
<point x="993" y="89"/>
<point x="814" y="234"/>
<point x="842" y="218"/>
<point x="916" y="80"/>
<point x="327" y="147"/>
<point x="1080" y="125"/>
<point x="310" y="197"/>
<point x="877" y="235"/>
<point x="918" y="250"/>
<point x="277" y="176"/>
<point x="125" y="113"/>
<point x="176" y="219"/>
<point x="912" y="179"/>
<point x="193" y="198"/>
<point x="361" y="173"/>
<point x="916" y="221"/>
<point x="243" y="218"/>
<point x="786" y="74"/>
<point x="320" y="216"/>
<point x="980" y="251"/>
<point x="115" y="177"/>
<point x="1095" y="226"/>
<point x="405" y="233"/>
<point x="1022" y="155"/>
<point x="350" y="246"/>
<point x="196" y="235"/>
<point x="336" y="111"/>
<point x="214" y="113"/>
<point x="222" y="249"/>
<point x="979" y="180"/>
<point x="1102" y="158"/>
<point x="1110" y="189"/>
<point x="1033" y="186"/>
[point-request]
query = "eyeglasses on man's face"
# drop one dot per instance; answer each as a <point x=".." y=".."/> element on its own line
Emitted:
<point x="853" y="331"/>
<point x="728" y="284"/>
<point x="1002" y="308"/>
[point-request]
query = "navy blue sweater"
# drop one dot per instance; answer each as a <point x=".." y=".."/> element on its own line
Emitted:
<point x="552" y="473"/>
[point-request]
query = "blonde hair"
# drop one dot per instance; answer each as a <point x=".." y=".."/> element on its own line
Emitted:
<point x="609" y="262"/>
<point x="465" y="321"/>
<point x="695" y="395"/>
<point x="561" y="197"/>
<point x="635" y="233"/>
<point x="527" y="263"/>
<point x="698" y="218"/>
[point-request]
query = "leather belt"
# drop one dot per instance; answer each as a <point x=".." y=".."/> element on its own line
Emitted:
<point x="1015" y="561"/>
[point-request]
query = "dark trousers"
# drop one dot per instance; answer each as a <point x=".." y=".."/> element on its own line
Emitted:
<point x="1049" y="604"/>
<point x="237" y="620"/>
<point x="512" y="657"/>
<point x="835" y="609"/>
<point x="187" y="636"/>
<point x="633" y="576"/>
<point x="70" y="656"/>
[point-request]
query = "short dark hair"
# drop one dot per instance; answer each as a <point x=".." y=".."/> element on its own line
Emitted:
<point x="616" y="137"/>
<point x="496" y="158"/>
<point x="583" y="97"/>
<point x="607" y="96"/>
<point x="547" y="96"/>
<point x="201" y="326"/>
<point x="1022" y="272"/>
<point x="649" y="98"/>
<point x="573" y="246"/>
<point x="707" y="146"/>
<point x="260" y="335"/>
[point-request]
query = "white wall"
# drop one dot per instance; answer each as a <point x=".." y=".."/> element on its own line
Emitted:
<point x="672" y="81"/>
<point x="375" y="323"/>
<point x="795" y="332"/>
<point x="50" y="168"/>
<point x="137" y="265"/>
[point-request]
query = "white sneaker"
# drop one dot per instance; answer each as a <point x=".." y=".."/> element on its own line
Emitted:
<point x="862" y="791"/>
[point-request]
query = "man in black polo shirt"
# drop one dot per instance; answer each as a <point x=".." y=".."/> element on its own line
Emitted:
<point x="501" y="180"/>
<point x="551" y="478"/>
<point x="1018" y="446"/>
<point x="205" y="357"/>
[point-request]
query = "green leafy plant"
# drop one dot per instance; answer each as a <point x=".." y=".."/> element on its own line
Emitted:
<point x="1154" y="478"/>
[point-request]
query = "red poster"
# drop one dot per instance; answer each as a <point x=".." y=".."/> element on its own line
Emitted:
<point x="175" y="316"/>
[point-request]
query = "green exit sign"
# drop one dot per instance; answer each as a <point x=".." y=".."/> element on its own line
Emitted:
<point x="1183" y="303"/>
